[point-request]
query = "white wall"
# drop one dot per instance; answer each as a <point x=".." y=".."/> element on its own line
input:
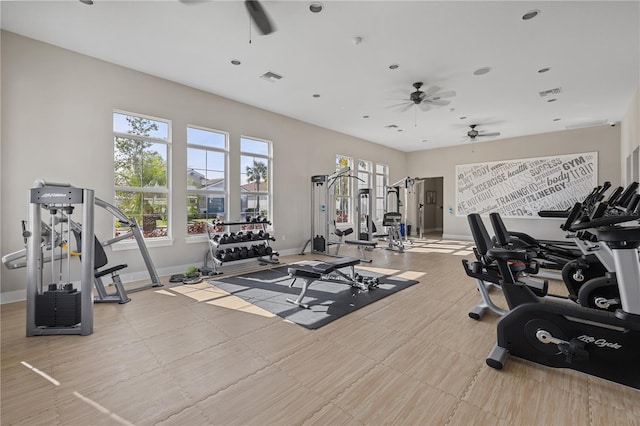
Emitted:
<point x="441" y="162"/>
<point x="57" y="124"/>
<point x="630" y="135"/>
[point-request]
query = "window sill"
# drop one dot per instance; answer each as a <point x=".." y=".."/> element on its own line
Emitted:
<point x="133" y="245"/>
<point x="196" y="239"/>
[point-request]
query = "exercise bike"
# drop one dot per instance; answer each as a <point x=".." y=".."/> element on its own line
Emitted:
<point x="559" y="333"/>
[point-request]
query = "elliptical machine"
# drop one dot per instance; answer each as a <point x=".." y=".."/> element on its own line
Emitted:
<point x="559" y="333"/>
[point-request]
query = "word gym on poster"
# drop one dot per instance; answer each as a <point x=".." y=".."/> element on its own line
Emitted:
<point x="521" y="188"/>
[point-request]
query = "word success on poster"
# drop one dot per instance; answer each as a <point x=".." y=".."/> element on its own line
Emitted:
<point x="521" y="188"/>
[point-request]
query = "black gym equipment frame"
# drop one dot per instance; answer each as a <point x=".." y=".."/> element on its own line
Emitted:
<point x="559" y="333"/>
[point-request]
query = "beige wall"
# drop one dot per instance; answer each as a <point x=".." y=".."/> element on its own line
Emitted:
<point x="441" y="162"/>
<point x="56" y="113"/>
<point x="56" y="124"/>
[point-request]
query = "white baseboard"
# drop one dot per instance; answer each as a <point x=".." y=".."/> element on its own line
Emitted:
<point x="13" y="296"/>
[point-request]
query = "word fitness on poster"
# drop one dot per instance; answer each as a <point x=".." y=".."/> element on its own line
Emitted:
<point x="521" y="188"/>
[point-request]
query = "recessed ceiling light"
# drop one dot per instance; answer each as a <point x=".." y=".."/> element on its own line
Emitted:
<point x="393" y="67"/>
<point x="482" y="71"/>
<point x="316" y="7"/>
<point x="552" y="100"/>
<point x="530" y="14"/>
<point x="315" y="95"/>
<point x="235" y="62"/>
<point x="556" y="119"/>
<point x="399" y="130"/>
<point x="365" y="116"/>
<point x="543" y="70"/>
<point x="463" y="118"/>
<point x="423" y="140"/>
<point x="86" y="1"/>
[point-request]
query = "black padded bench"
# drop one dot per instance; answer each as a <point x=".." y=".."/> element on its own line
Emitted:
<point x="331" y="271"/>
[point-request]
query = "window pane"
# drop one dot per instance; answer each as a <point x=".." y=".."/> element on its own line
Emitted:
<point x="206" y="138"/>
<point x="215" y="160"/>
<point x="342" y="209"/>
<point x="140" y="164"/>
<point x="123" y="123"/>
<point x="203" y="208"/>
<point x="254" y="205"/>
<point x="254" y="174"/>
<point x="148" y="208"/>
<point x="252" y="146"/>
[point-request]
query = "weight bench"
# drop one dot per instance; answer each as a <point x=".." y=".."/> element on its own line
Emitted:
<point x="362" y="245"/>
<point x="329" y="271"/>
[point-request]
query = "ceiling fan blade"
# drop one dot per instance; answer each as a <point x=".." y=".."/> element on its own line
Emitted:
<point x="259" y="17"/>
<point x="489" y="134"/>
<point x="399" y="105"/>
<point x="447" y="94"/>
<point x="431" y="91"/>
<point x="439" y="102"/>
<point x="424" y="106"/>
<point x="406" y="107"/>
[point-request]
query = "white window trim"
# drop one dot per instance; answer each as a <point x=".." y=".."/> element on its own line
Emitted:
<point x="161" y="241"/>
<point x="269" y="158"/>
<point x="197" y="238"/>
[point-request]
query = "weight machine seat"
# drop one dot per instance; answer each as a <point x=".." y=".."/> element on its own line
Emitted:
<point x="362" y="243"/>
<point x="323" y="268"/>
<point x="304" y="272"/>
<point x="116" y="268"/>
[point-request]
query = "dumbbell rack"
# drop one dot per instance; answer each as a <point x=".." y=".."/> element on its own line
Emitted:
<point x="215" y="244"/>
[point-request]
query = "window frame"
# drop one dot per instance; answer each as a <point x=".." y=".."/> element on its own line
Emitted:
<point x="381" y="192"/>
<point x="269" y="192"/>
<point x="349" y="196"/>
<point x="225" y="191"/>
<point x="167" y="190"/>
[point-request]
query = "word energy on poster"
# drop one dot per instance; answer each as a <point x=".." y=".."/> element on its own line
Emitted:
<point x="521" y="188"/>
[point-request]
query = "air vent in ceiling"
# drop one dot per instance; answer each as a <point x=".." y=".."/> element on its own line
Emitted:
<point x="270" y="76"/>
<point x="555" y="91"/>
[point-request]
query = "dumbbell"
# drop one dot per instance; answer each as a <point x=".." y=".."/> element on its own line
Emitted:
<point x="226" y="255"/>
<point x="249" y="235"/>
<point x="219" y="254"/>
<point x="268" y="251"/>
<point x="247" y="218"/>
<point x="224" y="239"/>
<point x="216" y="238"/>
<point x="236" y="253"/>
<point x="261" y="250"/>
<point x="244" y="252"/>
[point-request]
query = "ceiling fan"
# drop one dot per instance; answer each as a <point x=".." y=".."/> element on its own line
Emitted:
<point x="259" y="17"/>
<point x="432" y="96"/>
<point x="256" y="12"/>
<point x="473" y="133"/>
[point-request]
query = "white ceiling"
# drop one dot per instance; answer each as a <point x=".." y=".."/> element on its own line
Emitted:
<point x="592" y="48"/>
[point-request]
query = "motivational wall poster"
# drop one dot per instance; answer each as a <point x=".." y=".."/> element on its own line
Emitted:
<point x="521" y="188"/>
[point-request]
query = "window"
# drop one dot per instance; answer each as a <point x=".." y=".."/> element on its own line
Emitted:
<point x="141" y="171"/>
<point x="364" y="174"/>
<point x="206" y="178"/>
<point x="342" y="191"/>
<point x="382" y="181"/>
<point x="255" y="182"/>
